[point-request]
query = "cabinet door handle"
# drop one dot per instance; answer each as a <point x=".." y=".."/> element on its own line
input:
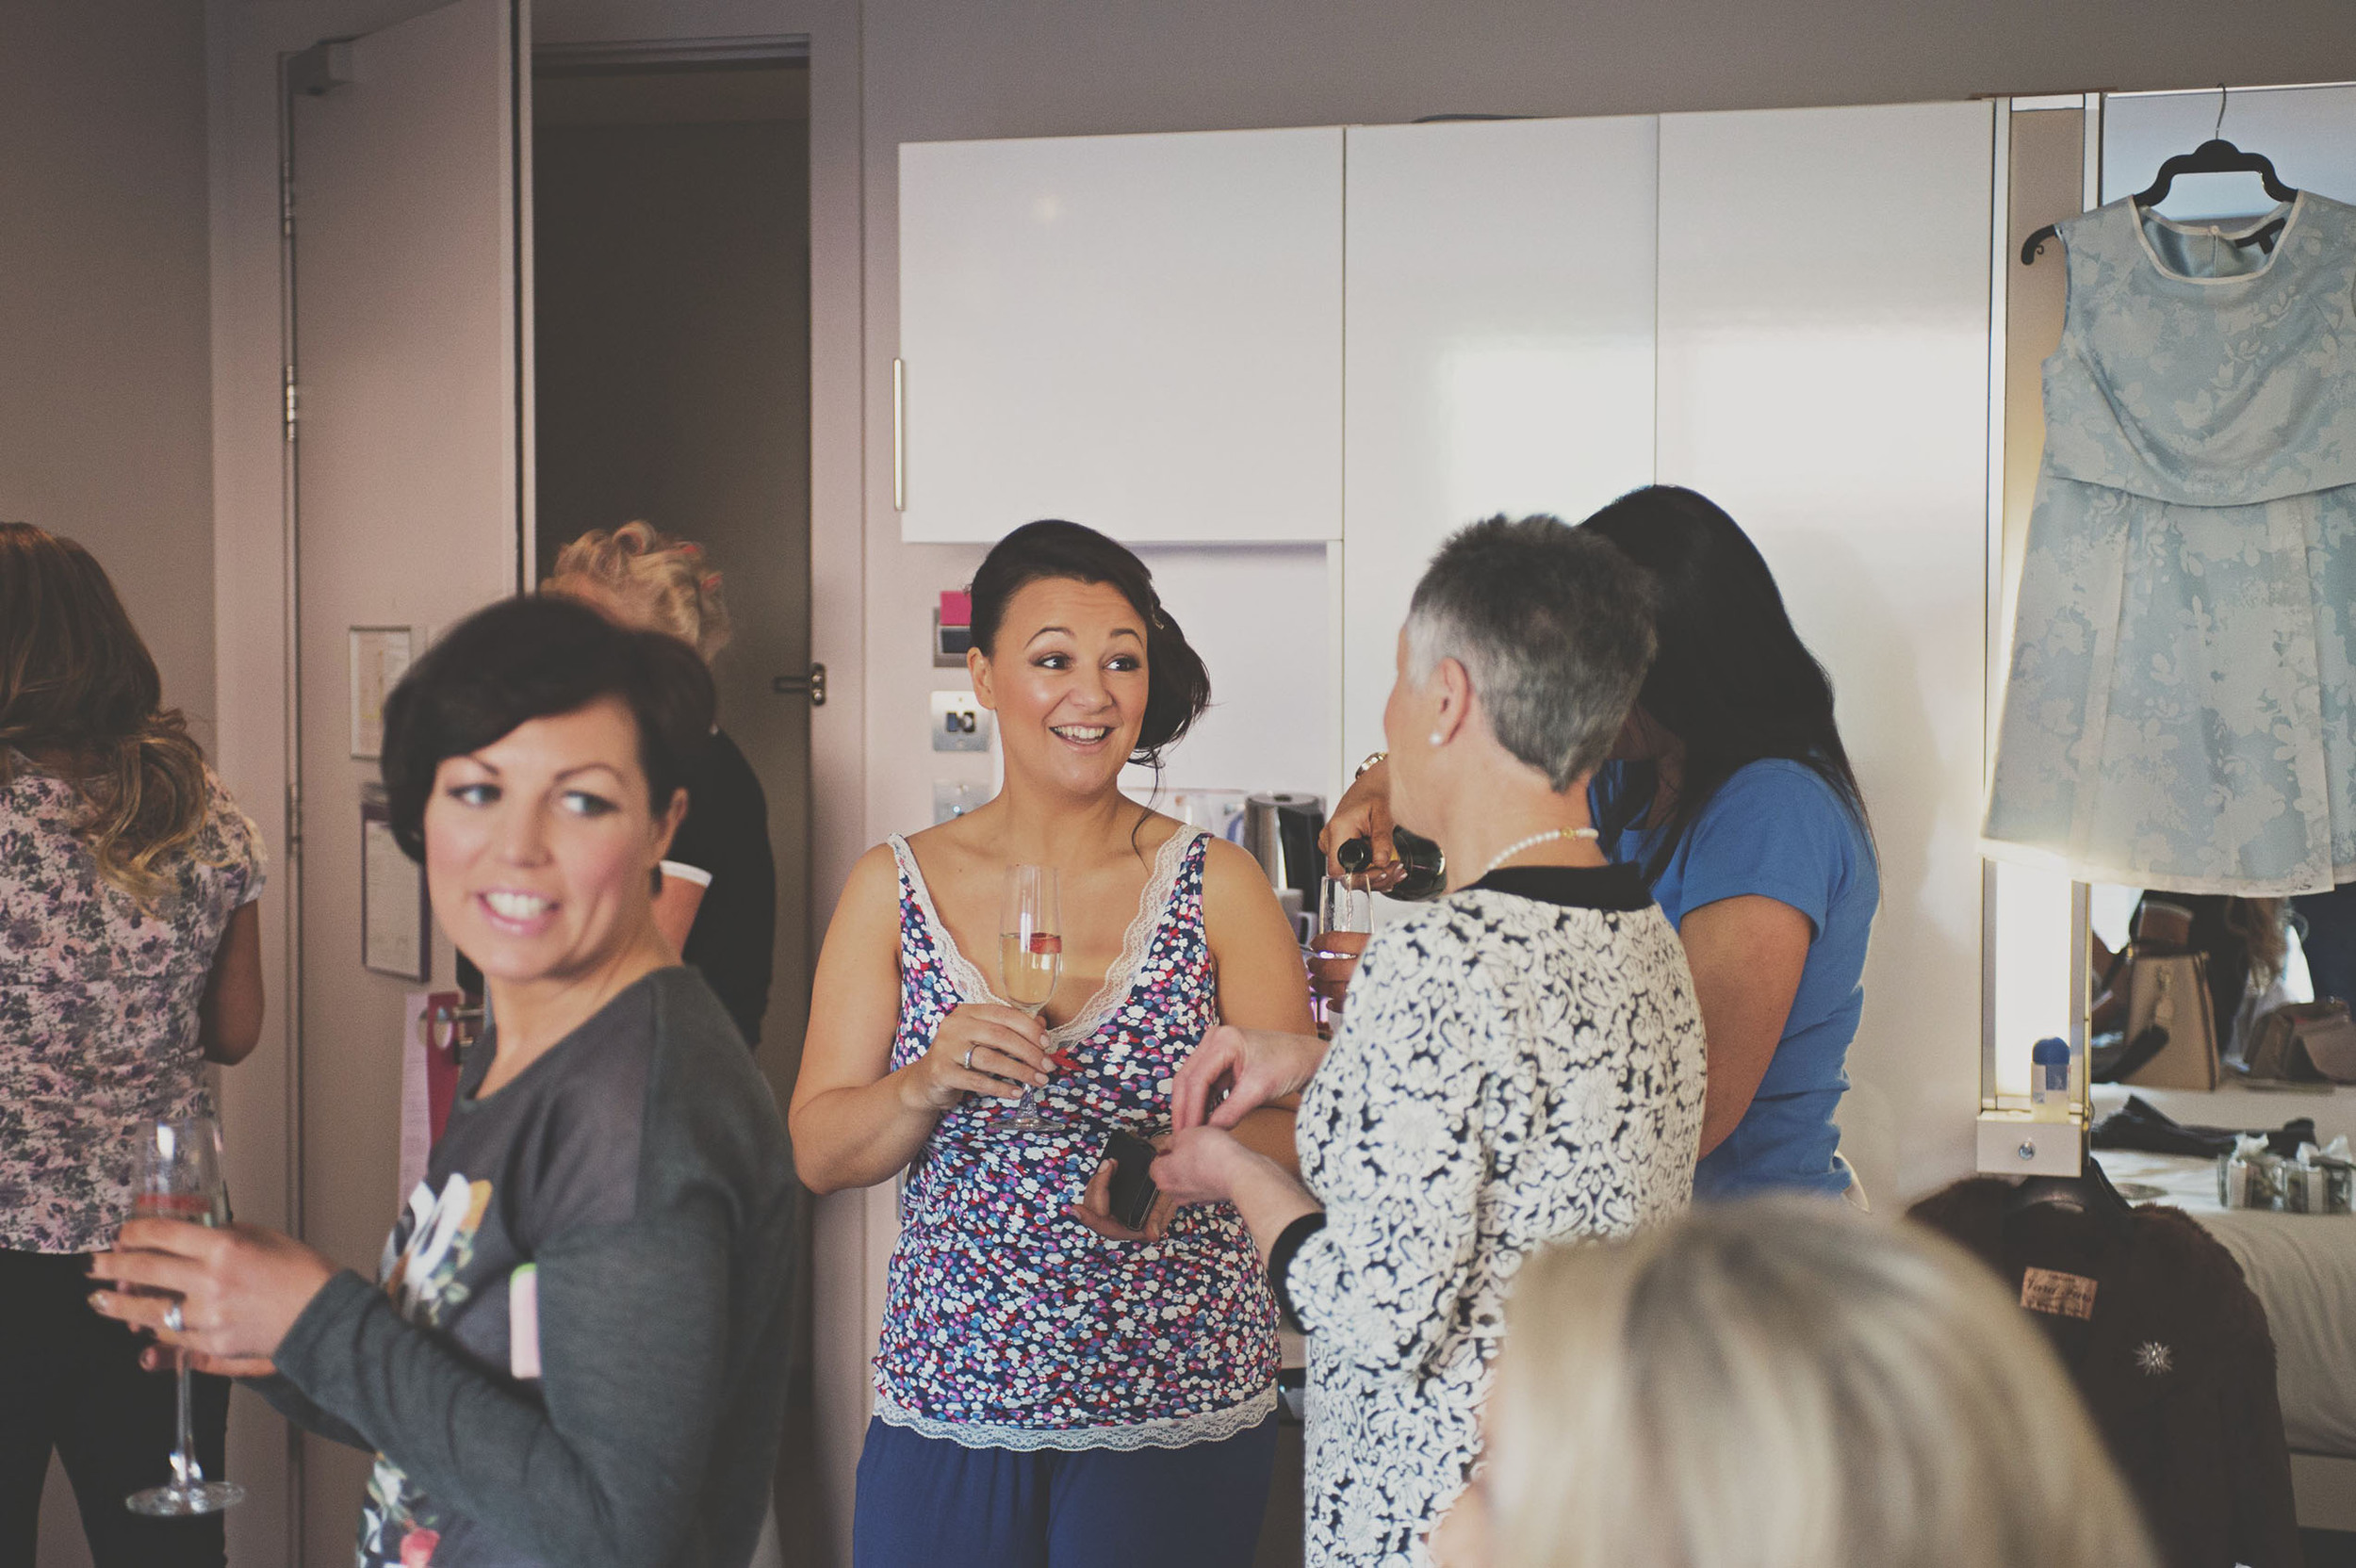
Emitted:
<point x="899" y="435"/>
<point x="813" y="685"/>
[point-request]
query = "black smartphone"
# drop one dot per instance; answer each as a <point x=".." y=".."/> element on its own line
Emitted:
<point x="1133" y="1191"/>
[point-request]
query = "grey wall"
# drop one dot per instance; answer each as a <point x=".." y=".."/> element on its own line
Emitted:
<point x="1042" y="67"/>
<point x="106" y="390"/>
<point x="106" y="420"/>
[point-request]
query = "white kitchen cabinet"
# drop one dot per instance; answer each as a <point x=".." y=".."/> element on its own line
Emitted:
<point x="1139" y="333"/>
<point x="1824" y="375"/>
<point x="1500" y="324"/>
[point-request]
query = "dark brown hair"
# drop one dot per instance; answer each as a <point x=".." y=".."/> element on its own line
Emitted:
<point x="532" y="658"/>
<point x="1177" y="687"/>
<point x="78" y="686"/>
<point x="1730" y="678"/>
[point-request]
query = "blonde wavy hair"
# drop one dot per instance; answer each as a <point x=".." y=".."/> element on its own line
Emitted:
<point x="651" y="579"/>
<point x="1782" y="1384"/>
<point x="79" y="691"/>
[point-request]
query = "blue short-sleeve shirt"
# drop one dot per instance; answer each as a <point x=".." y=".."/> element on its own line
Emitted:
<point x="1777" y="829"/>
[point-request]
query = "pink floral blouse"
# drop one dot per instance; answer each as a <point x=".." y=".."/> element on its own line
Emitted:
<point x="98" y="1000"/>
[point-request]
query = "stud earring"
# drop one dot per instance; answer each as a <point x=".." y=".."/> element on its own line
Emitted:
<point x="1437" y="738"/>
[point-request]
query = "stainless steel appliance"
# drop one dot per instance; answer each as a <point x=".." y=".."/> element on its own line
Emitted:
<point x="1279" y="829"/>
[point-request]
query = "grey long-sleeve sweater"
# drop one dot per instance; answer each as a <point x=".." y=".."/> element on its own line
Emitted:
<point x="574" y="1353"/>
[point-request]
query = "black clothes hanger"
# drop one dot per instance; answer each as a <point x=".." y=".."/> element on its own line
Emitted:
<point x="2090" y="1194"/>
<point x="2215" y="156"/>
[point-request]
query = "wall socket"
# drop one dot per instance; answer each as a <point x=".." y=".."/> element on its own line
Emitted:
<point x="955" y="800"/>
<point x="961" y="723"/>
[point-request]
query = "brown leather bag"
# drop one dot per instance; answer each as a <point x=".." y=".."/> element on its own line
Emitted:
<point x="2309" y="1041"/>
<point x="2170" y="991"/>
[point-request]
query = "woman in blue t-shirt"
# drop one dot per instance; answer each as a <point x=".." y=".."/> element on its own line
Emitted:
<point x="1730" y="786"/>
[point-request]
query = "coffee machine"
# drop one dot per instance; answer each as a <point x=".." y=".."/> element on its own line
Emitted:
<point x="1279" y="830"/>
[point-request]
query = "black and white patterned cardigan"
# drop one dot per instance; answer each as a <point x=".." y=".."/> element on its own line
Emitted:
<point x="1510" y="1072"/>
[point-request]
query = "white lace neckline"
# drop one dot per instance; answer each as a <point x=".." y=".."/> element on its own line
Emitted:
<point x="970" y="980"/>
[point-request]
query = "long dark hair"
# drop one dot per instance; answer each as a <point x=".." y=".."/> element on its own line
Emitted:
<point x="76" y="679"/>
<point x="1177" y="687"/>
<point x="1731" y="680"/>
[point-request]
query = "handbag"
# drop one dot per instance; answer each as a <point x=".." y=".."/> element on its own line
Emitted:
<point x="2169" y="992"/>
<point x="2307" y="1041"/>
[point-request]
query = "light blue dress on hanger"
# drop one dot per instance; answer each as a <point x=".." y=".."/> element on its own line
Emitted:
<point x="2181" y="712"/>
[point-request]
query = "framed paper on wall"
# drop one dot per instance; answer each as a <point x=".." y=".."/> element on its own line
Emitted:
<point x="396" y="923"/>
<point x="380" y="656"/>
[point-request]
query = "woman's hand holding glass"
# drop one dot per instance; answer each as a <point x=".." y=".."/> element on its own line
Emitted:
<point x="238" y="1289"/>
<point x="982" y="1048"/>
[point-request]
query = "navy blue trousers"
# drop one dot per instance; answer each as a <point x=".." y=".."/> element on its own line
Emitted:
<point x="924" y="1502"/>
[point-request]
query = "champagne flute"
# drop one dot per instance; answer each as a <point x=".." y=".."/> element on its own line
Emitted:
<point x="180" y="1179"/>
<point x="1030" y="963"/>
<point x="1344" y="920"/>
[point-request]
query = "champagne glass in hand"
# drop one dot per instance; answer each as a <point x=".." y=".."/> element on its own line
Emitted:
<point x="180" y="1179"/>
<point x="1345" y="919"/>
<point x="1030" y="962"/>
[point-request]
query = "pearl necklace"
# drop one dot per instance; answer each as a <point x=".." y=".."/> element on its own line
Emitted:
<point x="1533" y="842"/>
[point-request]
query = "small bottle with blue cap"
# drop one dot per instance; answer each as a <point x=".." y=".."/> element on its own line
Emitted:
<point x="2048" y="1080"/>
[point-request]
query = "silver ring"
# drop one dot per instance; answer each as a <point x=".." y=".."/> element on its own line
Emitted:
<point x="968" y="1056"/>
<point x="173" y="1320"/>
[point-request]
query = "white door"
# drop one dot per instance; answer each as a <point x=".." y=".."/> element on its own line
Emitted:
<point x="1501" y="332"/>
<point x="1139" y="333"/>
<point x="408" y="467"/>
<point x="1824" y="375"/>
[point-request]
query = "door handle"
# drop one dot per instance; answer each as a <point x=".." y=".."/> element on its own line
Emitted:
<point x="813" y="685"/>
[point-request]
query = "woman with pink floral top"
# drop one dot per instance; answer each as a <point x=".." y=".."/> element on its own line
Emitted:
<point x="130" y="955"/>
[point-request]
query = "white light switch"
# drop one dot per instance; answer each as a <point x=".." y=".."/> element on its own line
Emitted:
<point x="961" y="723"/>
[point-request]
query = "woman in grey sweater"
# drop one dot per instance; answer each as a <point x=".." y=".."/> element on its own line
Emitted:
<point x="574" y="1353"/>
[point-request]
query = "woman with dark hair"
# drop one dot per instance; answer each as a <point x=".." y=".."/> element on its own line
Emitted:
<point x="1053" y="1387"/>
<point x="574" y="1350"/>
<point x="130" y="955"/>
<point x="1730" y="787"/>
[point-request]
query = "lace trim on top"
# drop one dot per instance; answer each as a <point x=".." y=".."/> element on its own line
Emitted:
<point x="1182" y="1431"/>
<point x="1119" y="980"/>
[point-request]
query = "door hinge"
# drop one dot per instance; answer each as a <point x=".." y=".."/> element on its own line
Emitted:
<point x="291" y="402"/>
<point x="294" y="819"/>
<point x="813" y="685"/>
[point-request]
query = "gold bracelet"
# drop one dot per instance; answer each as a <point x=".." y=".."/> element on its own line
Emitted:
<point x="1369" y="765"/>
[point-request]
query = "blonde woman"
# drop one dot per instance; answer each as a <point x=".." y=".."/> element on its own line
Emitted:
<point x="1779" y="1383"/>
<point x="130" y="955"/>
<point x="718" y="901"/>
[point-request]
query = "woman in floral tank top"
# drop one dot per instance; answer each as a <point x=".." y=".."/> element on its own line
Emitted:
<point x="1054" y="1389"/>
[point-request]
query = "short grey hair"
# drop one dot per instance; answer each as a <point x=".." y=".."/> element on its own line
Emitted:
<point x="1554" y="627"/>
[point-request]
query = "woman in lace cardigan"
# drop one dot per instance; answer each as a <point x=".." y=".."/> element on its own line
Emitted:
<point x="1052" y="1387"/>
<point x="1521" y="1061"/>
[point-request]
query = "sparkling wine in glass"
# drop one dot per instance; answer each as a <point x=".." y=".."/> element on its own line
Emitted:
<point x="1030" y="963"/>
<point x="1344" y="920"/>
<point x="180" y="1179"/>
